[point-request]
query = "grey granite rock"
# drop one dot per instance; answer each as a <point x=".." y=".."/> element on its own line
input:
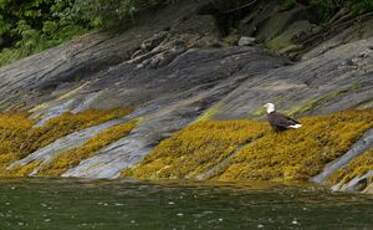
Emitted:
<point x="357" y="149"/>
<point x="46" y="154"/>
<point x="246" y="41"/>
<point x="166" y="68"/>
<point x="357" y="184"/>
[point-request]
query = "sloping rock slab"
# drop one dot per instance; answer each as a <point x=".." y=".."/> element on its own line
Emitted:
<point x="48" y="153"/>
<point x="357" y="149"/>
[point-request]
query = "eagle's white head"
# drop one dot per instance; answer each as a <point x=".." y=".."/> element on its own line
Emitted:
<point x="270" y="107"/>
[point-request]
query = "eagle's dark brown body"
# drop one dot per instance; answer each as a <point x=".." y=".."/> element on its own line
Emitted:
<point x="280" y="122"/>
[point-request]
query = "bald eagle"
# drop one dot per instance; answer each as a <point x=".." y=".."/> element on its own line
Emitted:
<point x="278" y="121"/>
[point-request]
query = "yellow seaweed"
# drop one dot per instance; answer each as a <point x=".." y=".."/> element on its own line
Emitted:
<point x="258" y="154"/>
<point x="197" y="148"/>
<point x="357" y="167"/>
<point x="74" y="156"/>
<point x="299" y="154"/>
<point x="19" y="137"/>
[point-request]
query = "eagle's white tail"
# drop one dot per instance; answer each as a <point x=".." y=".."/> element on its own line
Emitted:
<point x="297" y="126"/>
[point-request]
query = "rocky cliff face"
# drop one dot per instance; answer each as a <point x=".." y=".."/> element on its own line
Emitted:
<point x="182" y="65"/>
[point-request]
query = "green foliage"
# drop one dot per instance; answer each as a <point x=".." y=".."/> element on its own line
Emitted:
<point x="360" y="6"/>
<point x="28" y="27"/>
<point x="111" y="12"/>
<point x="327" y="8"/>
<point x="288" y="4"/>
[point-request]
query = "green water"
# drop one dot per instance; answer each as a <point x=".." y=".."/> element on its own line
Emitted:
<point x="72" y="204"/>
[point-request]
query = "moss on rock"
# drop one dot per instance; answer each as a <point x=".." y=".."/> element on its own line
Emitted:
<point x="69" y="122"/>
<point x="19" y="137"/>
<point x="291" y="155"/>
<point x="300" y="154"/>
<point x="197" y="148"/>
<point x="24" y="170"/>
<point x="357" y="167"/>
<point x="73" y="157"/>
<point x="15" y="132"/>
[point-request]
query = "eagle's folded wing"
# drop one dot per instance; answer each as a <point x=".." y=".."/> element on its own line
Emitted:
<point x="281" y="120"/>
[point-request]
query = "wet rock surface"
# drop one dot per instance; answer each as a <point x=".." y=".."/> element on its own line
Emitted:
<point x="358" y="184"/>
<point x="46" y="154"/>
<point x="171" y="67"/>
<point x="357" y="149"/>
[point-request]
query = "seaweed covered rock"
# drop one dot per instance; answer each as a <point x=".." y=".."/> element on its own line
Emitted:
<point x="181" y="71"/>
<point x="255" y="153"/>
<point x="20" y="136"/>
<point x="196" y="149"/>
<point x="300" y="154"/>
<point x="26" y="146"/>
<point x="358" y="167"/>
<point x="356" y="176"/>
<point x="71" y="158"/>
